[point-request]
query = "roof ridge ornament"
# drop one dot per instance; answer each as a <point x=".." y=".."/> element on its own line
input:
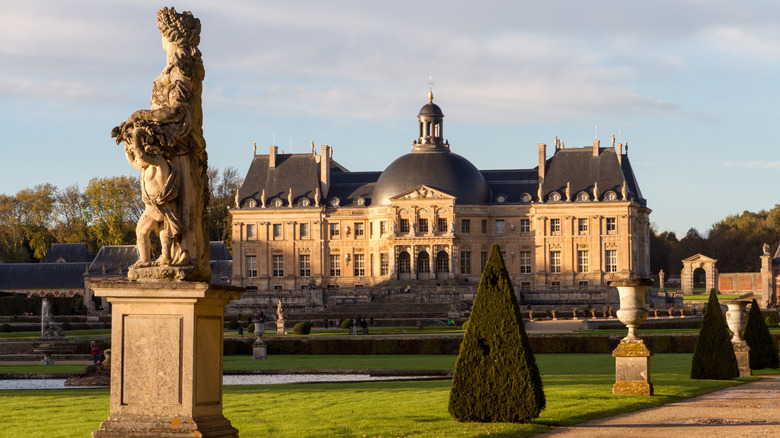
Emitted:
<point x="430" y="89"/>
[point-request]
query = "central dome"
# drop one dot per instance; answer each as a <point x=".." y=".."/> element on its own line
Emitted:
<point x="432" y="164"/>
<point x="440" y="170"/>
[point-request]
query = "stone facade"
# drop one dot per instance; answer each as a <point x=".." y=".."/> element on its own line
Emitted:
<point x="567" y="227"/>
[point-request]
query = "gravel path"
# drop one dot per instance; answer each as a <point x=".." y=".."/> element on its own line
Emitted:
<point x="749" y="410"/>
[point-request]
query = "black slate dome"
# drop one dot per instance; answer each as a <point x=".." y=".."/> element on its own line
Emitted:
<point x="440" y="170"/>
<point x="431" y="109"/>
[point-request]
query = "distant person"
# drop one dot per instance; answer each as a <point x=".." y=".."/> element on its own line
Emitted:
<point x="94" y="350"/>
<point x="240" y="330"/>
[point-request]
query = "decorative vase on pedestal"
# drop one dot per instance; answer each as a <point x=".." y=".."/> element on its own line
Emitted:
<point x="632" y="358"/>
<point x="736" y="318"/>
<point x="259" y="350"/>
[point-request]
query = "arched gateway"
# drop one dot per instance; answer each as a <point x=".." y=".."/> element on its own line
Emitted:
<point x="695" y="262"/>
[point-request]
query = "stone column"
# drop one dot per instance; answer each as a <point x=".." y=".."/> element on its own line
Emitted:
<point x="166" y="373"/>
<point x="632" y="357"/>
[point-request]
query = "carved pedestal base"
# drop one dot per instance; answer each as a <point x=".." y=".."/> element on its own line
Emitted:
<point x="259" y="352"/>
<point x="632" y="368"/>
<point x="742" y="351"/>
<point x="280" y="327"/>
<point x="166" y="370"/>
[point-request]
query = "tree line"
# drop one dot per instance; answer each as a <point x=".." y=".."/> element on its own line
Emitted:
<point x="104" y="213"/>
<point x="736" y="242"/>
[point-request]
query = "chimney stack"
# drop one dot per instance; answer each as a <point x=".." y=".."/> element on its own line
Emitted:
<point x="596" y="144"/>
<point x="272" y="157"/>
<point x="542" y="160"/>
<point x="620" y="153"/>
<point x="325" y="170"/>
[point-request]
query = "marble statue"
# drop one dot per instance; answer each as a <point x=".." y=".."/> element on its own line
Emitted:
<point x="624" y="191"/>
<point x="539" y="193"/>
<point x="165" y="143"/>
<point x="596" y="191"/>
<point x="317" y="196"/>
<point x="568" y="191"/>
<point x="262" y="198"/>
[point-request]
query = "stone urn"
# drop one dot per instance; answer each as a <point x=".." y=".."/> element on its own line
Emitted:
<point x="736" y="318"/>
<point x="632" y="310"/>
<point x="259" y="349"/>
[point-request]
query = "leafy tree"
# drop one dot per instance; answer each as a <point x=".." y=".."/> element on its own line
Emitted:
<point x="114" y="206"/>
<point x="496" y="378"/>
<point x="714" y="356"/>
<point x="763" y="349"/>
<point x="223" y="189"/>
<point x="36" y="208"/>
<point x="13" y="248"/>
<point x="71" y="225"/>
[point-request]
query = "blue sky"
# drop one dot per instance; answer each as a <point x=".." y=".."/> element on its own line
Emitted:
<point x="691" y="85"/>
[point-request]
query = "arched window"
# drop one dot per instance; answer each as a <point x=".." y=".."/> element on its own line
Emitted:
<point x="404" y="263"/>
<point x="442" y="262"/>
<point x="423" y="263"/>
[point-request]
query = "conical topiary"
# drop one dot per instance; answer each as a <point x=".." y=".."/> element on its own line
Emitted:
<point x="496" y="378"/>
<point x="763" y="349"/>
<point x="714" y="357"/>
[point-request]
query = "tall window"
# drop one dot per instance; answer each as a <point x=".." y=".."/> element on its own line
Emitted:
<point x="465" y="262"/>
<point x="500" y="226"/>
<point x="555" y="226"/>
<point x="304" y="265"/>
<point x="384" y="264"/>
<point x="333" y="230"/>
<point x="403" y="225"/>
<point x="442" y="224"/>
<point x="525" y="262"/>
<point x="423" y="225"/>
<point x="304" y="230"/>
<point x="335" y="265"/>
<point x="611" y="225"/>
<point x="555" y="262"/>
<point x="484" y="226"/>
<point x="250" y="231"/>
<point x="423" y="263"/>
<point x="482" y="260"/>
<point x="277" y="265"/>
<point x="359" y="229"/>
<point x="442" y="262"/>
<point x="610" y="260"/>
<point x="583" y="262"/>
<point x="251" y="266"/>
<point x="582" y="225"/>
<point x="277" y="231"/>
<point x="360" y="265"/>
<point x="525" y="225"/>
<point x="404" y="263"/>
<point x="465" y="226"/>
<point x="383" y="227"/>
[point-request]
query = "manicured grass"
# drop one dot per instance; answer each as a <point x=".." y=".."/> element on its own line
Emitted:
<point x="37" y="368"/>
<point x="706" y="296"/>
<point x="96" y="333"/>
<point x="328" y="361"/>
<point x="578" y="388"/>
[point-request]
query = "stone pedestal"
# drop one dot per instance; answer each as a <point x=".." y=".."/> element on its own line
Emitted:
<point x="280" y="327"/>
<point x="742" y="351"/>
<point x="632" y="368"/>
<point x="166" y="371"/>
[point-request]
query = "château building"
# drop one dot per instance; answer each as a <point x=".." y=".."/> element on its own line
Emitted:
<point x="304" y="226"/>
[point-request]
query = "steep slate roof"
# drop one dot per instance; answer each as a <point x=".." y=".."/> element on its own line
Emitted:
<point x="219" y="251"/>
<point x="581" y="169"/>
<point x="15" y="276"/>
<point x="221" y="271"/>
<point x="113" y="260"/>
<point x="577" y="166"/>
<point x="347" y="186"/>
<point x="512" y="183"/>
<point x="69" y="252"/>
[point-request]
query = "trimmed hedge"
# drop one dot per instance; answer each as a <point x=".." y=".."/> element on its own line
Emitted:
<point x="302" y="328"/>
<point x="496" y="378"/>
<point x="763" y="349"/>
<point x="714" y="357"/>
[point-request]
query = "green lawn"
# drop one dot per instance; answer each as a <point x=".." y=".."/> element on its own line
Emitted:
<point x="706" y="296"/>
<point x="578" y="387"/>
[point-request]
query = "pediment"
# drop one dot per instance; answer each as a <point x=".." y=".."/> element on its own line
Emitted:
<point x="699" y="258"/>
<point x="422" y="192"/>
